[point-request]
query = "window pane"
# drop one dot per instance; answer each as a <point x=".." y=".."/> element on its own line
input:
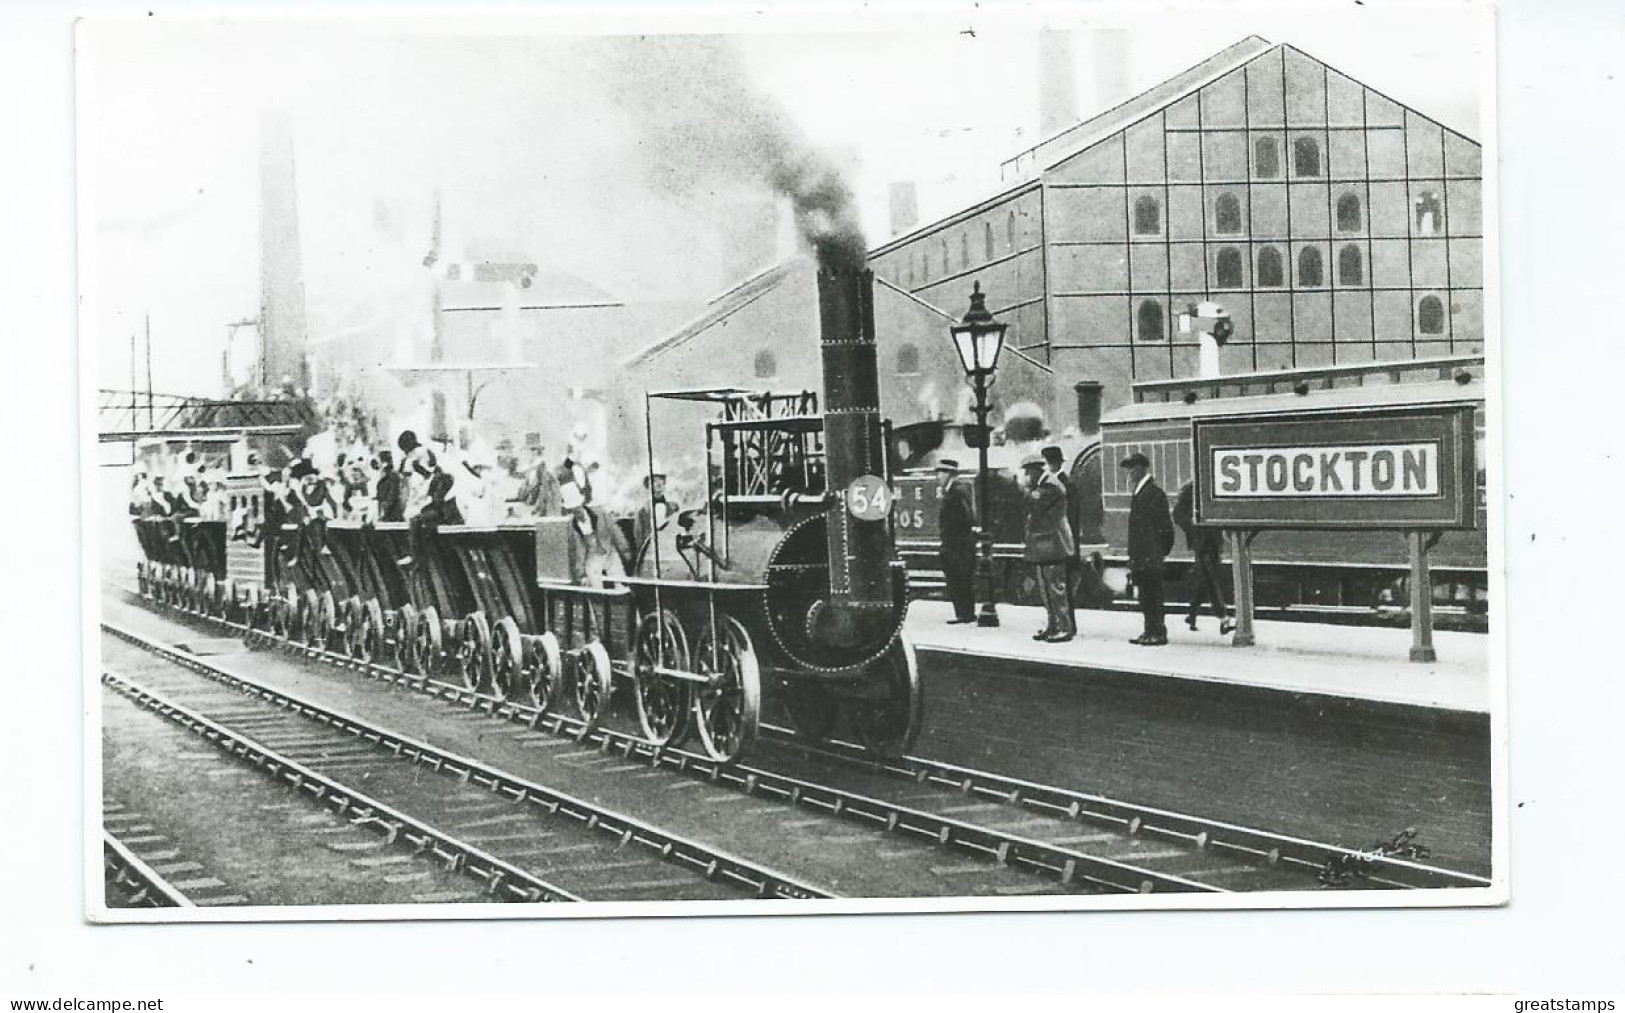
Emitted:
<point x="1150" y="321"/>
<point x="1147" y="217"/>
<point x="1305" y="157"/>
<point x="1348" y="213"/>
<point x="1350" y="269"/>
<point x="1270" y="273"/>
<point x="1310" y="270"/>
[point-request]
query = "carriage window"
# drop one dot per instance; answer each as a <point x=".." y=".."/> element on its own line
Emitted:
<point x="1348" y="213"/>
<point x="1150" y="319"/>
<point x="1228" y="268"/>
<point x="1430" y="315"/>
<point x="1266" y="158"/>
<point x="1350" y="267"/>
<point x="1270" y="274"/>
<point x="767" y="366"/>
<point x="908" y="360"/>
<point x="1227" y="215"/>
<point x="987" y="239"/>
<point x="1147" y="217"/>
<point x="1429" y="214"/>
<point x="1305" y="157"/>
<point x="1311" y="272"/>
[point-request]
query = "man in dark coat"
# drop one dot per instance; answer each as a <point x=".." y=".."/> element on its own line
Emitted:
<point x="1049" y="545"/>
<point x="1150" y="539"/>
<point x="1205" y="544"/>
<point x="956" y="528"/>
<point x="1055" y="462"/>
<point x="390" y="492"/>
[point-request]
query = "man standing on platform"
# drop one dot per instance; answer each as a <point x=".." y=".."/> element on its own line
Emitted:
<point x="956" y="526"/>
<point x="1150" y="539"/>
<point x="1055" y="462"/>
<point x="1049" y="545"/>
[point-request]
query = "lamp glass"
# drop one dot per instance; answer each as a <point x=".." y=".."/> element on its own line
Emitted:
<point x="989" y="344"/>
<point x="965" y="345"/>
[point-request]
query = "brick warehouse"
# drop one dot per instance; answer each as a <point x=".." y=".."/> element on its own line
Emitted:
<point x="1333" y="223"/>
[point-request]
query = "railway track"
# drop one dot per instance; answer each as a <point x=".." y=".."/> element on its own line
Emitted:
<point x="1077" y="840"/>
<point x="502" y="832"/>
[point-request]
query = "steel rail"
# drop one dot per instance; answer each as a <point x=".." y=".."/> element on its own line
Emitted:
<point x="1132" y="818"/>
<point x="710" y="862"/>
<point x="152" y="889"/>
<point x="1068" y="804"/>
<point x="500" y="877"/>
<point x="1066" y="864"/>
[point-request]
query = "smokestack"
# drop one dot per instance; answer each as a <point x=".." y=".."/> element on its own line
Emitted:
<point x="860" y="552"/>
<point x="282" y="284"/>
<point x="1089" y="394"/>
<point x="905" y="207"/>
<point x="1111" y="68"/>
<point x="1057" y="86"/>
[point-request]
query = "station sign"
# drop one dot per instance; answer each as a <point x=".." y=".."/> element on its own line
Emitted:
<point x="1400" y="468"/>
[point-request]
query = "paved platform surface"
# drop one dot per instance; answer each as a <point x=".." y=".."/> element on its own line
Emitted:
<point x="1357" y="663"/>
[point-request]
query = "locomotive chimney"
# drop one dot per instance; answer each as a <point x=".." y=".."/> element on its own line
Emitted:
<point x="860" y="553"/>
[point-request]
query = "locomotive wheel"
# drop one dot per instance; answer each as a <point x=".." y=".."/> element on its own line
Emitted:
<point x="211" y="596"/>
<point x="228" y="599"/>
<point x="313" y="627"/>
<point x="279" y="616"/>
<point x="473" y="656"/>
<point x="543" y="672"/>
<point x="728" y="708"/>
<point x="251" y="618"/>
<point x="406" y="641"/>
<point x="141" y="579"/>
<point x="428" y="639"/>
<point x="811" y="707"/>
<point x="887" y="725"/>
<point x="370" y="637"/>
<point x="663" y="703"/>
<point x="507" y="658"/>
<point x="591" y="685"/>
<point x="351" y="640"/>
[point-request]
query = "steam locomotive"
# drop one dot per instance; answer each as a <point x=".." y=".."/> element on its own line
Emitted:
<point x="786" y="575"/>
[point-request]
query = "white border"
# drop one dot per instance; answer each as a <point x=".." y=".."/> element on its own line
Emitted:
<point x="794" y="19"/>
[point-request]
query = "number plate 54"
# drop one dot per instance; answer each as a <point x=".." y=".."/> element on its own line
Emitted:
<point x="868" y="498"/>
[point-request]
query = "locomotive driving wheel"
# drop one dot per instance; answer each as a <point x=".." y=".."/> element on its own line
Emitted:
<point x="543" y="671"/>
<point x="662" y="700"/>
<point x="327" y="619"/>
<point x="473" y="655"/>
<point x="211" y="596"/>
<point x="728" y="707"/>
<point x="889" y="722"/>
<point x="507" y="658"/>
<point x="406" y="638"/>
<point x="310" y="623"/>
<point x="278" y="615"/>
<point x="370" y="637"/>
<point x="591" y="684"/>
<point x="811" y="707"/>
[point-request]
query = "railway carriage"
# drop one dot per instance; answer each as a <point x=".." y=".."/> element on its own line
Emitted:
<point x="784" y="579"/>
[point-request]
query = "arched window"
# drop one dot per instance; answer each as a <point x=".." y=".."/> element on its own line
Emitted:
<point x="1348" y="213"/>
<point x="987" y="239"/>
<point x="908" y="360"/>
<point x="1429" y="214"/>
<point x="1150" y="320"/>
<point x="1228" y="268"/>
<point x="1270" y="274"/>
<point x="1311" y="272"/>
<point x="1010" y="230"/>
<point x="1430" y="315"/>
<point x="964" y="249"/>
<point x="1350" y="268"/>
<point x="767" y="367"/>
<point x="1147" y="216"/>
<point x="908" y="271"/>
<point x="1227" y="215"/>
<point x="1305" y="157"/>
<point x="1266" y="158"/>
<point x="925" y="267"/>
<point x="947" y="268"/>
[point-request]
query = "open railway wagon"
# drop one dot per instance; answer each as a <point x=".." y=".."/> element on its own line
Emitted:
<point x="785" y="579"/>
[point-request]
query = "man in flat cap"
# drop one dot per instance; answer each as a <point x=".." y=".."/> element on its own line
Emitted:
<point x="1049" y="545"/>
<point x="956" y="526"/>
<point x="1150" y="539"/>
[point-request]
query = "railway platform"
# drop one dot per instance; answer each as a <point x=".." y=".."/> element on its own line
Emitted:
<point x="1360" y="666"/>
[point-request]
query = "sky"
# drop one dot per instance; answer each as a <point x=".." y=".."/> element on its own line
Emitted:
<point x="612" y="157"/>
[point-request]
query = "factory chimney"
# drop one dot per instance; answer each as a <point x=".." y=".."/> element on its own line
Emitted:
<point x="1057" y="86"/>
<point x="282" y="283"/>
<point x="905" y="206"/>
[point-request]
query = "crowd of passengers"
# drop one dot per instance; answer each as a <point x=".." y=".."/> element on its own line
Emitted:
<point x="442" y="482"/>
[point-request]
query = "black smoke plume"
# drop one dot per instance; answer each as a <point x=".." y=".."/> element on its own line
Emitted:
<point x="701" y="126"/>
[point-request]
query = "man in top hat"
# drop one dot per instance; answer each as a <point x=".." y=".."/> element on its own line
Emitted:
<point x="654" y="513"/>
<point x="1049" y="545"/>
<point x="1150" y="539"/>
<point x="956" y="526"/>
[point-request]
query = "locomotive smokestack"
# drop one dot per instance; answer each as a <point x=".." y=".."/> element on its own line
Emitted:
<point x="860" y="553"/>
